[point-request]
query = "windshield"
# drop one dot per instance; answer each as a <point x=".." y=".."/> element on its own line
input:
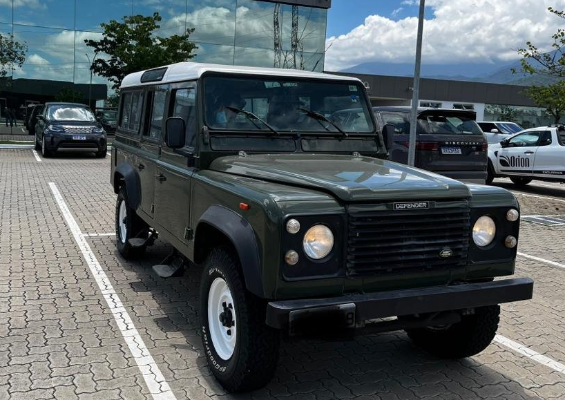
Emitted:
<point x="286" y="104"/>
<point x="436" y="123"/>
<point x="509" y="127"/>
<point x="70" y="113"/>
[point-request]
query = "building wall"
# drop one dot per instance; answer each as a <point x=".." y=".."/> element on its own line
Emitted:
<point x="238" y="32"/>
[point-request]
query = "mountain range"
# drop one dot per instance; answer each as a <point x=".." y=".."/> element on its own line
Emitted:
<point x="492" y="72"/>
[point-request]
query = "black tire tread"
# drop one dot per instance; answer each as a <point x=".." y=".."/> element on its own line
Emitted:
<point x="259" y="344"/>
<point x="519" y="181"/>
<point x="465" y="339"/>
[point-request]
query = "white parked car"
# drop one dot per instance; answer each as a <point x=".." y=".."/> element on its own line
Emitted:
<point x="496" y="131"/>
<point x="537" y="153"/>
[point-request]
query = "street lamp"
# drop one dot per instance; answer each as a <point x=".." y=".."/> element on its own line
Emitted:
<point x="416" y="90"/>
<point x="90" y="86"/>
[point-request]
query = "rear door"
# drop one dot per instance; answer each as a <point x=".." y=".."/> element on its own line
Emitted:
<point x="549" y="159"/>
<point x="450" y="143"/>
<point x="518" y="154"/>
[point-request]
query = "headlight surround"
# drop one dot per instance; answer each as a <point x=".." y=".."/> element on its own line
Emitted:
<point x="318" y="242"/>
<point x="484" y="231"/>
<point x="55" y="129"/>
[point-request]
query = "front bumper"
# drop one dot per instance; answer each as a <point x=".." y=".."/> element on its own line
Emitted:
<point x="363" y="307"/>
<point x="92" y="142"/>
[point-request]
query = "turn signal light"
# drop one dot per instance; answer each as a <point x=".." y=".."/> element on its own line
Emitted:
<point x="244" y="206"/>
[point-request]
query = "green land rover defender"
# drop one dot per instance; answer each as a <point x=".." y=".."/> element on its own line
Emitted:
<point x="301" y="224"/>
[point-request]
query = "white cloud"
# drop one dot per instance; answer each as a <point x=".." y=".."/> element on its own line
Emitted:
<point x="23" y="3"/>
<point x="394" y="13"/>
<point x="480" y="31"/>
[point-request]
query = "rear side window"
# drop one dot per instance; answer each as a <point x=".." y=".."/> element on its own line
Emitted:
<point x="400" y="121"/>
<point x="561" y="137"/>
<point x="155" y="105"/>
<point x="130" y="118"/>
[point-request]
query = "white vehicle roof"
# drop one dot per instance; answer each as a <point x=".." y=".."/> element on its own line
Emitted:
<point x="497" y="122"/>
<point x="185" y="71"/>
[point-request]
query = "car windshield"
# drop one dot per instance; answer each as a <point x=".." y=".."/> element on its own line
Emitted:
<point x="286" y="105"/>
<point x="70" y="113"/>
<point x="436" y="123"/>
<point x="509" y="127"/>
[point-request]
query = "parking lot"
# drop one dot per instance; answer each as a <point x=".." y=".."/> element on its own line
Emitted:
<point x="78" y="321"/>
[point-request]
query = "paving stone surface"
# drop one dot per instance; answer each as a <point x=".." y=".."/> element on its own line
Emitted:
<point x="58" y="339"/>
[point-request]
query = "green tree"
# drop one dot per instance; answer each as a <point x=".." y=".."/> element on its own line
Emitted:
<point x="132" y="46"/>
<point x="552" y="63"/>
<point x="12" y="55"/>
<point x="113" y="100"/>
<point x="550" y="97"/>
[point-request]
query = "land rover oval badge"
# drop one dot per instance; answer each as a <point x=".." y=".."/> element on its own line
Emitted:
<point x="446" y="253"/>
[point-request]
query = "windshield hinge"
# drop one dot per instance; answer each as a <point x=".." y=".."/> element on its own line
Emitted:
<point x="242" y="153"/>
<point x="356" y="154"/>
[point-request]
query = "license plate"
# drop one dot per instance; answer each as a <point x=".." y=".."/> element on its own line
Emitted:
<point x="79" y="137"/>
<point x="451" y="150"/>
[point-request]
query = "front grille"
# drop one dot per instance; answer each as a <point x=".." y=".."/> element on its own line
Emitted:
<point x="79" y="144"/>
<point x="73" y="130"/>
<point x="383" y="242"/>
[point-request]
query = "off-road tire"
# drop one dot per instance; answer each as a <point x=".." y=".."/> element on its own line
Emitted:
<point x="518" y="181"/>
<point x="37" y="146"/>
<point x="101" y="154"/>
<point x="135" y="228"/>
<point x="256" y="351"/>
<point x="464" y="339"/>
<point x="490" y="173"/>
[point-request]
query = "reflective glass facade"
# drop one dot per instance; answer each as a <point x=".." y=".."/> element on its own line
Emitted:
<point x="242" y="32"/>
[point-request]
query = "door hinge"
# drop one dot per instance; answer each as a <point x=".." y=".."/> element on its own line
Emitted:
<point x="188" y="233"/>
<point x="152" y="208"/>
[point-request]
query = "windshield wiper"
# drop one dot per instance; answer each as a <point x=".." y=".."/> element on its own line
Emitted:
<point x="253" y="117"/>
<point x="320" y="117"/>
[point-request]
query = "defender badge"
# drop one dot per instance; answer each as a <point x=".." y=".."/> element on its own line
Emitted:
<point x="415" y="205"/>
<point x="446" y="253"/>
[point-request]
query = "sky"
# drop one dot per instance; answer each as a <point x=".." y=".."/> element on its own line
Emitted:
<point x="455" y="31"/>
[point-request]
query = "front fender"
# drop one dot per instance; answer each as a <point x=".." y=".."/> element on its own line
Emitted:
<point x="241" y="234"/>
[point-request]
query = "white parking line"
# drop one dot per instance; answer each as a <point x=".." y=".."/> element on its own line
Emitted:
<point x="98" y="234"/>
<point x="531" y="354"/>
<point x="36" y="155"/>
<point x="158" y="386"/>
<point x="23" y="130"/>
<point x="539" y="197"/>
<point x="553" y="263"/>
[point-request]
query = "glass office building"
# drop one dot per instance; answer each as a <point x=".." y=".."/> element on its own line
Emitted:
<point x="289" y="33"/>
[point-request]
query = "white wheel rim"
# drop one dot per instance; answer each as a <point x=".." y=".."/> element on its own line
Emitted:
<point x="122" y="215"/>
<point x="222" y="332"/>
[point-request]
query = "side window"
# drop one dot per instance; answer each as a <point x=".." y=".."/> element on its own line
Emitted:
<point x="126" y="110"/>
<point x="131" y="111"/>
<point x="154" y="115"/>
<point x="545" y="138"/>
<point x="561" y="136"/>
<point x="526" y="139"/>
<point x="184" y="106"/>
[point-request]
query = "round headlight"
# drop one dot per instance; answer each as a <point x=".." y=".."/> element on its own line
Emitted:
<point x="318" y="242"/>
<point x="292" y="226"/>
<point x="484" y="231"/>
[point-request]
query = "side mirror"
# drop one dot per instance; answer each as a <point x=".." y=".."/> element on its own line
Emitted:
<point x="388" y="135"/>
<point x="40" y="118"/>
<point x="175" y="132"/>
<point x="494" y="130"/>
<point x="504" y="143"/>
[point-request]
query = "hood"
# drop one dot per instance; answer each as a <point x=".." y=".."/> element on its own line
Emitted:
<point x="348" y="178"/>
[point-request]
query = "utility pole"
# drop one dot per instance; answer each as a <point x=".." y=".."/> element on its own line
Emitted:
<point x="90" y="86"/>
<point x="416" y="88"/>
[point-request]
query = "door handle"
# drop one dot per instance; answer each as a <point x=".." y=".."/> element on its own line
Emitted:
<point x="160" y="177"/>
<point x="140" y="167"/>
<point x="528" y="152"/>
